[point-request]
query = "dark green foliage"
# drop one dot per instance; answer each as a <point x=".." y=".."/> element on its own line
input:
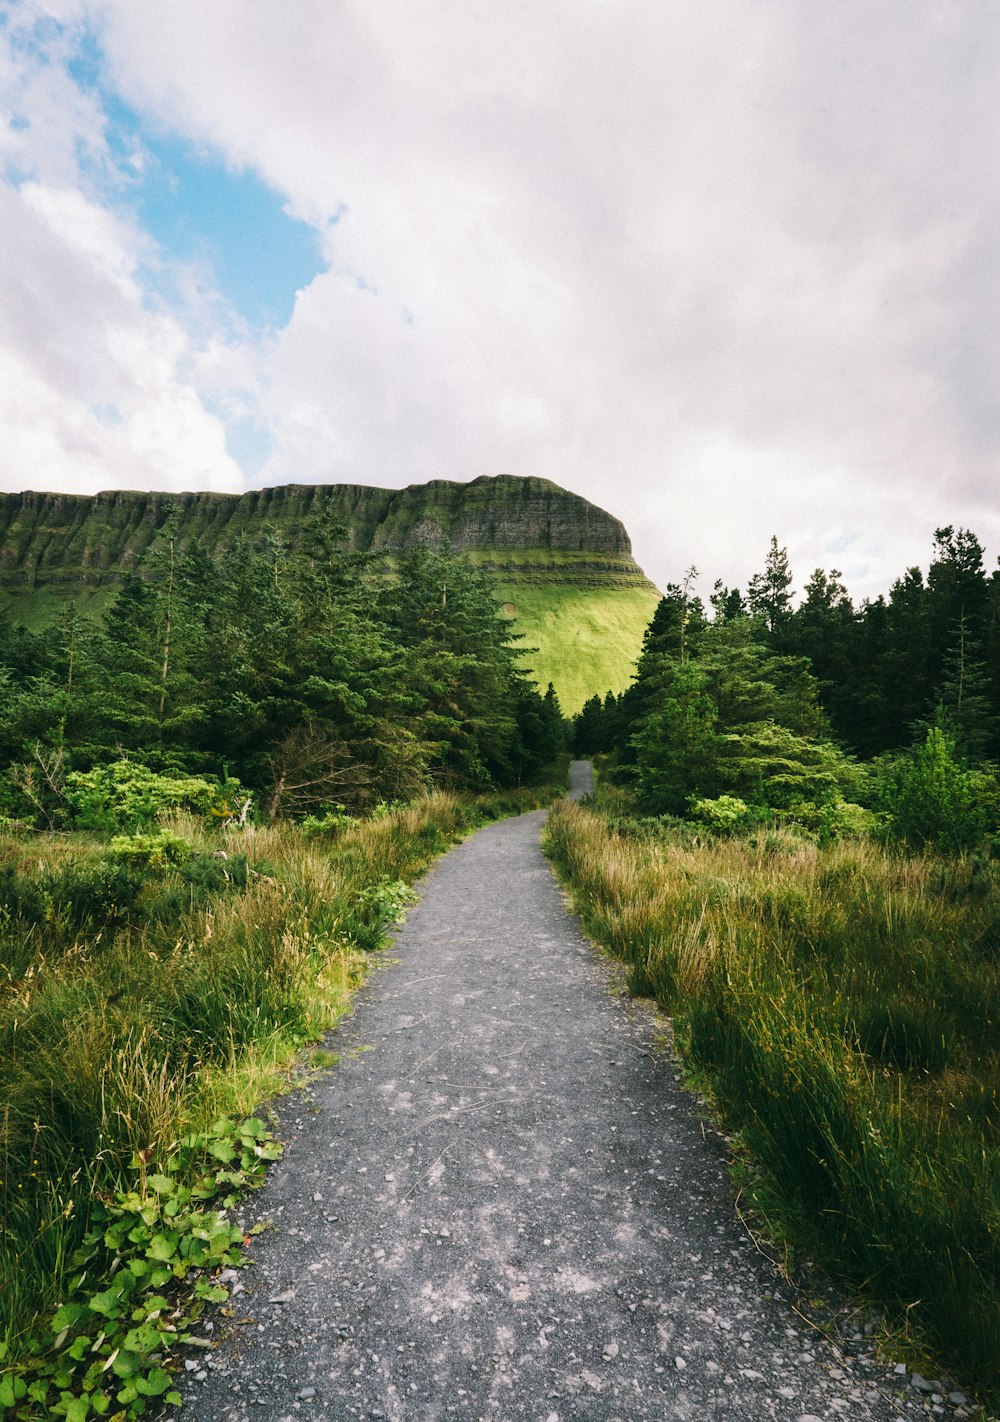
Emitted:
<point x="786" y="694"/>
<point x="89" y="895"/>
<point x="769" y="597"/>
<point x="933" y="799"/>
<point x="677" y="748"/>
<point x="314" y="677"/>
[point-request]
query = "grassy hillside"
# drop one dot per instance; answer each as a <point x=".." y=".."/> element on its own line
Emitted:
<point x="587" y="637"/>
<point x="564" y="566"/>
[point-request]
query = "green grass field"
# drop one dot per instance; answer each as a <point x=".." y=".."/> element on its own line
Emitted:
<point x="588" y="638"/>
<point x="41" y="608"/>
<point x="588" y="632"/>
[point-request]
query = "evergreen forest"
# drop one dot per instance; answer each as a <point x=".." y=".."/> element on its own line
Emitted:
<point x="302" y="682"/>
<point x="833" y="716"/>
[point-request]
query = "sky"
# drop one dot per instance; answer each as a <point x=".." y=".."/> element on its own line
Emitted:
<point x="727" y="269"/>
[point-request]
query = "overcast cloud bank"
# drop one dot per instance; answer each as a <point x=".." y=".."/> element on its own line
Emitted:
<point x="725" y="269"/>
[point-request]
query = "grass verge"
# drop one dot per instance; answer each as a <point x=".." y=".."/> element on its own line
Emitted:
<point x="843" y="1006"/>
<point x="143" y="1003"/>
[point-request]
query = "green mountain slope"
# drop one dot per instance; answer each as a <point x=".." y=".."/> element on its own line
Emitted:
<point x="564" y="566"/>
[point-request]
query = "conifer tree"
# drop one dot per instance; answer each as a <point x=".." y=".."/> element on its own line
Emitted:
<point x="769" y="596"/>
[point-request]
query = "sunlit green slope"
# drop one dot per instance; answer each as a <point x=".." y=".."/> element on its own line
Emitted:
<point x="563" y="565"/>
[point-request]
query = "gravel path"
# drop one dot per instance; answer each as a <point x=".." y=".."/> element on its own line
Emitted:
<point x="501" y="1205"/>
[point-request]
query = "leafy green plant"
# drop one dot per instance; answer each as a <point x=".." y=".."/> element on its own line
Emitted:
<point x="376" y="908"/>
<point x="157" y="848"/>
<point x="331" y="822"/>
<point x="127" y="795"/>
<point x="154" y="1248"/>
<point x="723" y="814"/>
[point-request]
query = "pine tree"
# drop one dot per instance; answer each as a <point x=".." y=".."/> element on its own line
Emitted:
<point x="768" y="595"/>
<point x="962" y="707"/>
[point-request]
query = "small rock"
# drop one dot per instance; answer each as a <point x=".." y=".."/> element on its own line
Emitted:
<point x="390" y="1176"/>
<point x="286" y="1297"/>
<point x="306" y="1392"/>
<point x="610" y="1351"/>
<point x="921" y="1384"/>
<point x="680" y="1364"/>
<point x="201" y="1375"/>
<point x="809" y="1417"/>
<point x="317" y="1197"/>
<point x="900" y="1370"/>
<point x="552" y="1417"/>
<point x="957" y="1399"/>
<point x="444" y="1232"/>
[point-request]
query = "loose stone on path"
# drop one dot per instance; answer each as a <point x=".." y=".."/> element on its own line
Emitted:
<point x="508" y="1208"/>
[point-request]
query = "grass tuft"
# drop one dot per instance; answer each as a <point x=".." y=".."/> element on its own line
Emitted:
<point x="842" y="1004"/>
<point x="141" y="1002"/>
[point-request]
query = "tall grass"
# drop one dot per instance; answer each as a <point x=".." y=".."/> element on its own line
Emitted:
<point x="138" y="1004"/>
<point x="843" y="1004"/>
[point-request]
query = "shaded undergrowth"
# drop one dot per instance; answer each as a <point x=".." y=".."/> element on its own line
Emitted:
<point x="843" y="1005"/>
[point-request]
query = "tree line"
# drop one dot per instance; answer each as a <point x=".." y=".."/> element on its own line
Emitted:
<point x="807" y="709"/>
<point x="313" y="677"/>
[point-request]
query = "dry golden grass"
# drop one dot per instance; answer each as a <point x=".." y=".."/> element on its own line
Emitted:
<point x="844" y="1005"/>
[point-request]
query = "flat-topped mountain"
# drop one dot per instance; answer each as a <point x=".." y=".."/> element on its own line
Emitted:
<point x="563" y="565"/>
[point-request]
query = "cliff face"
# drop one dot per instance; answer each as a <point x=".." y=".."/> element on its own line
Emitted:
<point x="61" y="540"/>
<point x="564" y="567"/>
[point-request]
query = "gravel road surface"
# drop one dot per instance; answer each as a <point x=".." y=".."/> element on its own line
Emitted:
<point x="501" y="1204"/>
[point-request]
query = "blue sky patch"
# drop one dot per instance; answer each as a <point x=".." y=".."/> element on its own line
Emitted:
<point x="198" y="209"/>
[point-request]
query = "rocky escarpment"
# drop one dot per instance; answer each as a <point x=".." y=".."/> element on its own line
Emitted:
<point x="563" y="567"/>
<point x="67" y="542"/>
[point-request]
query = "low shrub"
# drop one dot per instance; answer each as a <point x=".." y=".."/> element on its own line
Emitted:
<point x="127" y="795"/>
<point x="330" y="823"/>
<point x="723" y="814"/>
<point x="156" y="849"/>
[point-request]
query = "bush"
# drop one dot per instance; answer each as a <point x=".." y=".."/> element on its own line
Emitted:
<point x="76" y="895"/>
<point x="156" y="850"/>
<point x="933" y="800"/>
<point x="724" y="814"/>
<point x="331" y="822"/>
<point x="130" y="796"/>
<point x="840" y="819"/>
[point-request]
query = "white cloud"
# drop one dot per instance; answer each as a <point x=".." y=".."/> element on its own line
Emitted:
<point x="726" y="269"/>
<point x="94" y="392"/>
